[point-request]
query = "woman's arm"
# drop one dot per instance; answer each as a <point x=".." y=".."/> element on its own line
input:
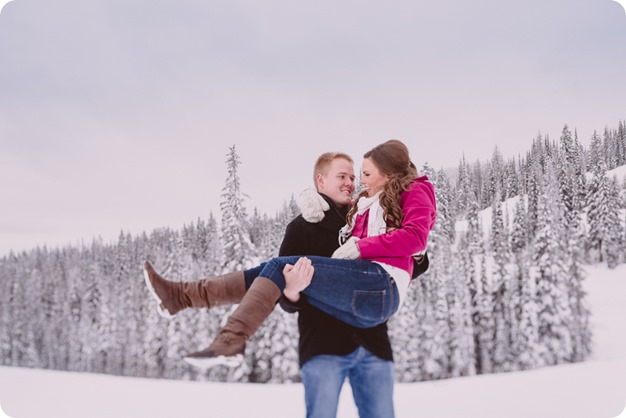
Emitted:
<point x="419" y="210"/>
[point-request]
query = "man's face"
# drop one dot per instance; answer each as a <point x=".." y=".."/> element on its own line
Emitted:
<point x="338" y="183"/>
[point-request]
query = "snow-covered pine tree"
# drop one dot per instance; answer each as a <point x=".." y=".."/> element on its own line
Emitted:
<point x="580" y="170"/>
<point x="495" y="177"/>
<point x="484" y="321"/>
<point x="580" y="323"/>
<point x="129" y="283"/>
<point x="463" y="188"/>
<point x="609" y="149"/>
<point x="595" y="154"/>
<point x="477" y="178"/>
<point x="256" y="227"/>
<point x="624" y="241"/>
<point x="550" y="273"/>
<point x="445" y="215"/>
<point x="501" y="283"/>
<point x="523" y="165"/>
<point x="89" y="301"/>
<point x="474" y="232"/>
<point x="261" y="235"/>
<point x="530" y="354"/>
<point x="212" y="252"/>
<point x="437" y="345"/>
<point x="613" y="225"/>
<point x="55" y="289"/>
<point x="75" y="290"/>
<point x="622" y="195"/>
<point x="462" y="349"/>
<point x="16" y="317"/>
<point x="105" y="322"/>
<point x="498" y="240"/>
<point x="534" y="187"/>
<point x="620" y="139"/>
<point x="567" y="176"/>
<point x="6" y="285"/>
<point x="519" y="231"/>
<point x="511" y="181"/>
<point x="408" y="329"/>
<point x="602" y="210"/>
<point x="473" y="256"/>
<point x="568" y="146"/>
<point x="239" y="252"/>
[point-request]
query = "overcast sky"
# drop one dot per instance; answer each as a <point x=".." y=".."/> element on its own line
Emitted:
<point x="119" y="114"/>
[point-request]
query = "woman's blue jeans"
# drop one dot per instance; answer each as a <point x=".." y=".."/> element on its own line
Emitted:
<point x="358" y="292"/>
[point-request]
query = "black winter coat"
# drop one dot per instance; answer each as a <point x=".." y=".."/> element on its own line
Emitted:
<point x="321" y="333"/>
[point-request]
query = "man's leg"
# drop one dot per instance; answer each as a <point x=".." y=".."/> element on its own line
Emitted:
<point x="371" y="379"/>
<point x="323" y="377"/>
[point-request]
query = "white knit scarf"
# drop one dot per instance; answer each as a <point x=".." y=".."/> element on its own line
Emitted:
<point x="376" y="224"/>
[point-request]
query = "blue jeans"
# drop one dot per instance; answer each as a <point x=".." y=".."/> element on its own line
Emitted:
<point x="358" y="292"/>
<point x="371" y="379"/>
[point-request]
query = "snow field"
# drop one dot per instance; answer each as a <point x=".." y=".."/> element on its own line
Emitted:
<point x="593" y="389"/>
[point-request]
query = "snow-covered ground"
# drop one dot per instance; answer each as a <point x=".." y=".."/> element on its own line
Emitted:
<point x="594" y="389"/>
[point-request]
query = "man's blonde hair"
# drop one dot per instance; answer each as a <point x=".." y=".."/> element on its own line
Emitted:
<point x="323" y="162"/>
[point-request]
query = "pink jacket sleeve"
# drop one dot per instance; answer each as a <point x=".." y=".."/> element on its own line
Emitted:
<point x="420" y="213"/>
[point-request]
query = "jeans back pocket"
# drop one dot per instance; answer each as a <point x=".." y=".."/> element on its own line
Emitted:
<point x="369" y="305"/>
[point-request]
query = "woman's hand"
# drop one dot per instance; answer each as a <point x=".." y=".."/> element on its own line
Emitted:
<point x="349" y="250"/>
<point x="297" y="278"/>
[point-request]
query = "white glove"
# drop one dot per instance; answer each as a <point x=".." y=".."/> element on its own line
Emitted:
<point x="349" y="250"/>
<point x="312" y="205"/>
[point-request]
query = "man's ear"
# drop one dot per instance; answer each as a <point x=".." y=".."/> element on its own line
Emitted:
<point x="319" y="182"/>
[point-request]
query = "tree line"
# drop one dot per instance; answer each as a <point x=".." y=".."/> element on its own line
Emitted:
<point x="504" y="291"/>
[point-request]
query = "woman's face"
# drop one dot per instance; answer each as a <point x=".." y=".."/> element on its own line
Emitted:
<point x="372" y="178"/>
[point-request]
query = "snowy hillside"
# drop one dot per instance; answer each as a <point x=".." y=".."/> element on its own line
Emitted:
<point x="508" y="206"/>
<point x="619" y="172"/>
<point x="594" y="389"/>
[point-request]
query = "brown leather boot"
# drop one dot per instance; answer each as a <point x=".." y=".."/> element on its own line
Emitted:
<point x="230" y="342"/>
<point x="173" y="297"/>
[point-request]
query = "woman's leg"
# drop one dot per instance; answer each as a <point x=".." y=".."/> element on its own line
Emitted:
<point x="358" y="292"/>
<point x="174" y="296"/>
<point x="257" y="304"/>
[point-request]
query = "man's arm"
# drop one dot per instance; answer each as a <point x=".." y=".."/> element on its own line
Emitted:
<point x="295" y="239"/>
<point x="294" y="243"/>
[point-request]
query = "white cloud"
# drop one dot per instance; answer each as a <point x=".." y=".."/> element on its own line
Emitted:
<point x="97" y="94"/>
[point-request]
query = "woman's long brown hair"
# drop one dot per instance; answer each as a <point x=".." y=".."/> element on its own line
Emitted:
<point x="392" y="160"/>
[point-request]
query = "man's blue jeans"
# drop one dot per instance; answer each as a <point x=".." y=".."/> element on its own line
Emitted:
<point x="371" y="379"/>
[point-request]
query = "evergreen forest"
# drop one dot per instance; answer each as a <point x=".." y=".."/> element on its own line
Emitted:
<point x="504" y="291"/>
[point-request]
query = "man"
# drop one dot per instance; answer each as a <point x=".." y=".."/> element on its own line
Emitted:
<point x="331" y="351"/>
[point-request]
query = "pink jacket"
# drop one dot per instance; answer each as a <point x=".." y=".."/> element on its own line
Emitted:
<point x="396" y="247"/>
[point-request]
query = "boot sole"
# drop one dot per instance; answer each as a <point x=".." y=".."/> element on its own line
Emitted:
<point x="209" y="362"/>
<point x="162" y="312"/>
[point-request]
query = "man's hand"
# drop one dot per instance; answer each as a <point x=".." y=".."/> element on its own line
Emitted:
<point x="312" y="205"/>
<point x="297" y="278"/>
<point x="349" y="250"/>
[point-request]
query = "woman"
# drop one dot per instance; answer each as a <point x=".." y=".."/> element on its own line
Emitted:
<point x="362" y="285"/>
